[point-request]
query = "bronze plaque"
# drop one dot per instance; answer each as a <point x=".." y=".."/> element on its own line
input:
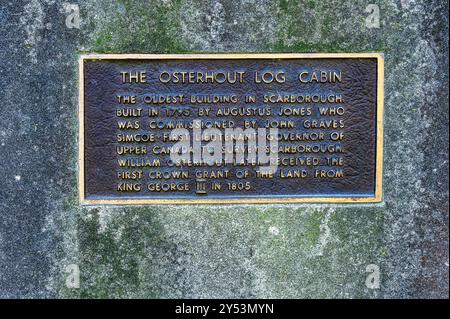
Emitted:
<point x="231" y="128"/>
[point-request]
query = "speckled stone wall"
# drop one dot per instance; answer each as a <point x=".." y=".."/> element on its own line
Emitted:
<point x="280" y="251"/>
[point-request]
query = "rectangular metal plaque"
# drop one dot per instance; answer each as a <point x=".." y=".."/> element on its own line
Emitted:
<point x="231" y="128"/>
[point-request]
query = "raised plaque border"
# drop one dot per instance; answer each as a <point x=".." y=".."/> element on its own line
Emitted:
<point x="264" y="200"/>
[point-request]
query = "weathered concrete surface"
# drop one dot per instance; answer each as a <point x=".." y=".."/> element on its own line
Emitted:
<point x="238" y="251"/>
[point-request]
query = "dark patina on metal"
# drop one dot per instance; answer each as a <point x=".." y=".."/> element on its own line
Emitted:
<point x="327" y="108"/>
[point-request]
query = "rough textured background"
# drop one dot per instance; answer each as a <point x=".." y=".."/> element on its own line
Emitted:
<point x="239" y="251"/>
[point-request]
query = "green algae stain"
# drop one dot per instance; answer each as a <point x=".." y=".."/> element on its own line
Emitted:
<point x="139" y="26"/>
<point x="330" y="26"/>
<point x="317" y="250"/>
<point x="312" y="228"/>
<point x="112" y="246"/>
